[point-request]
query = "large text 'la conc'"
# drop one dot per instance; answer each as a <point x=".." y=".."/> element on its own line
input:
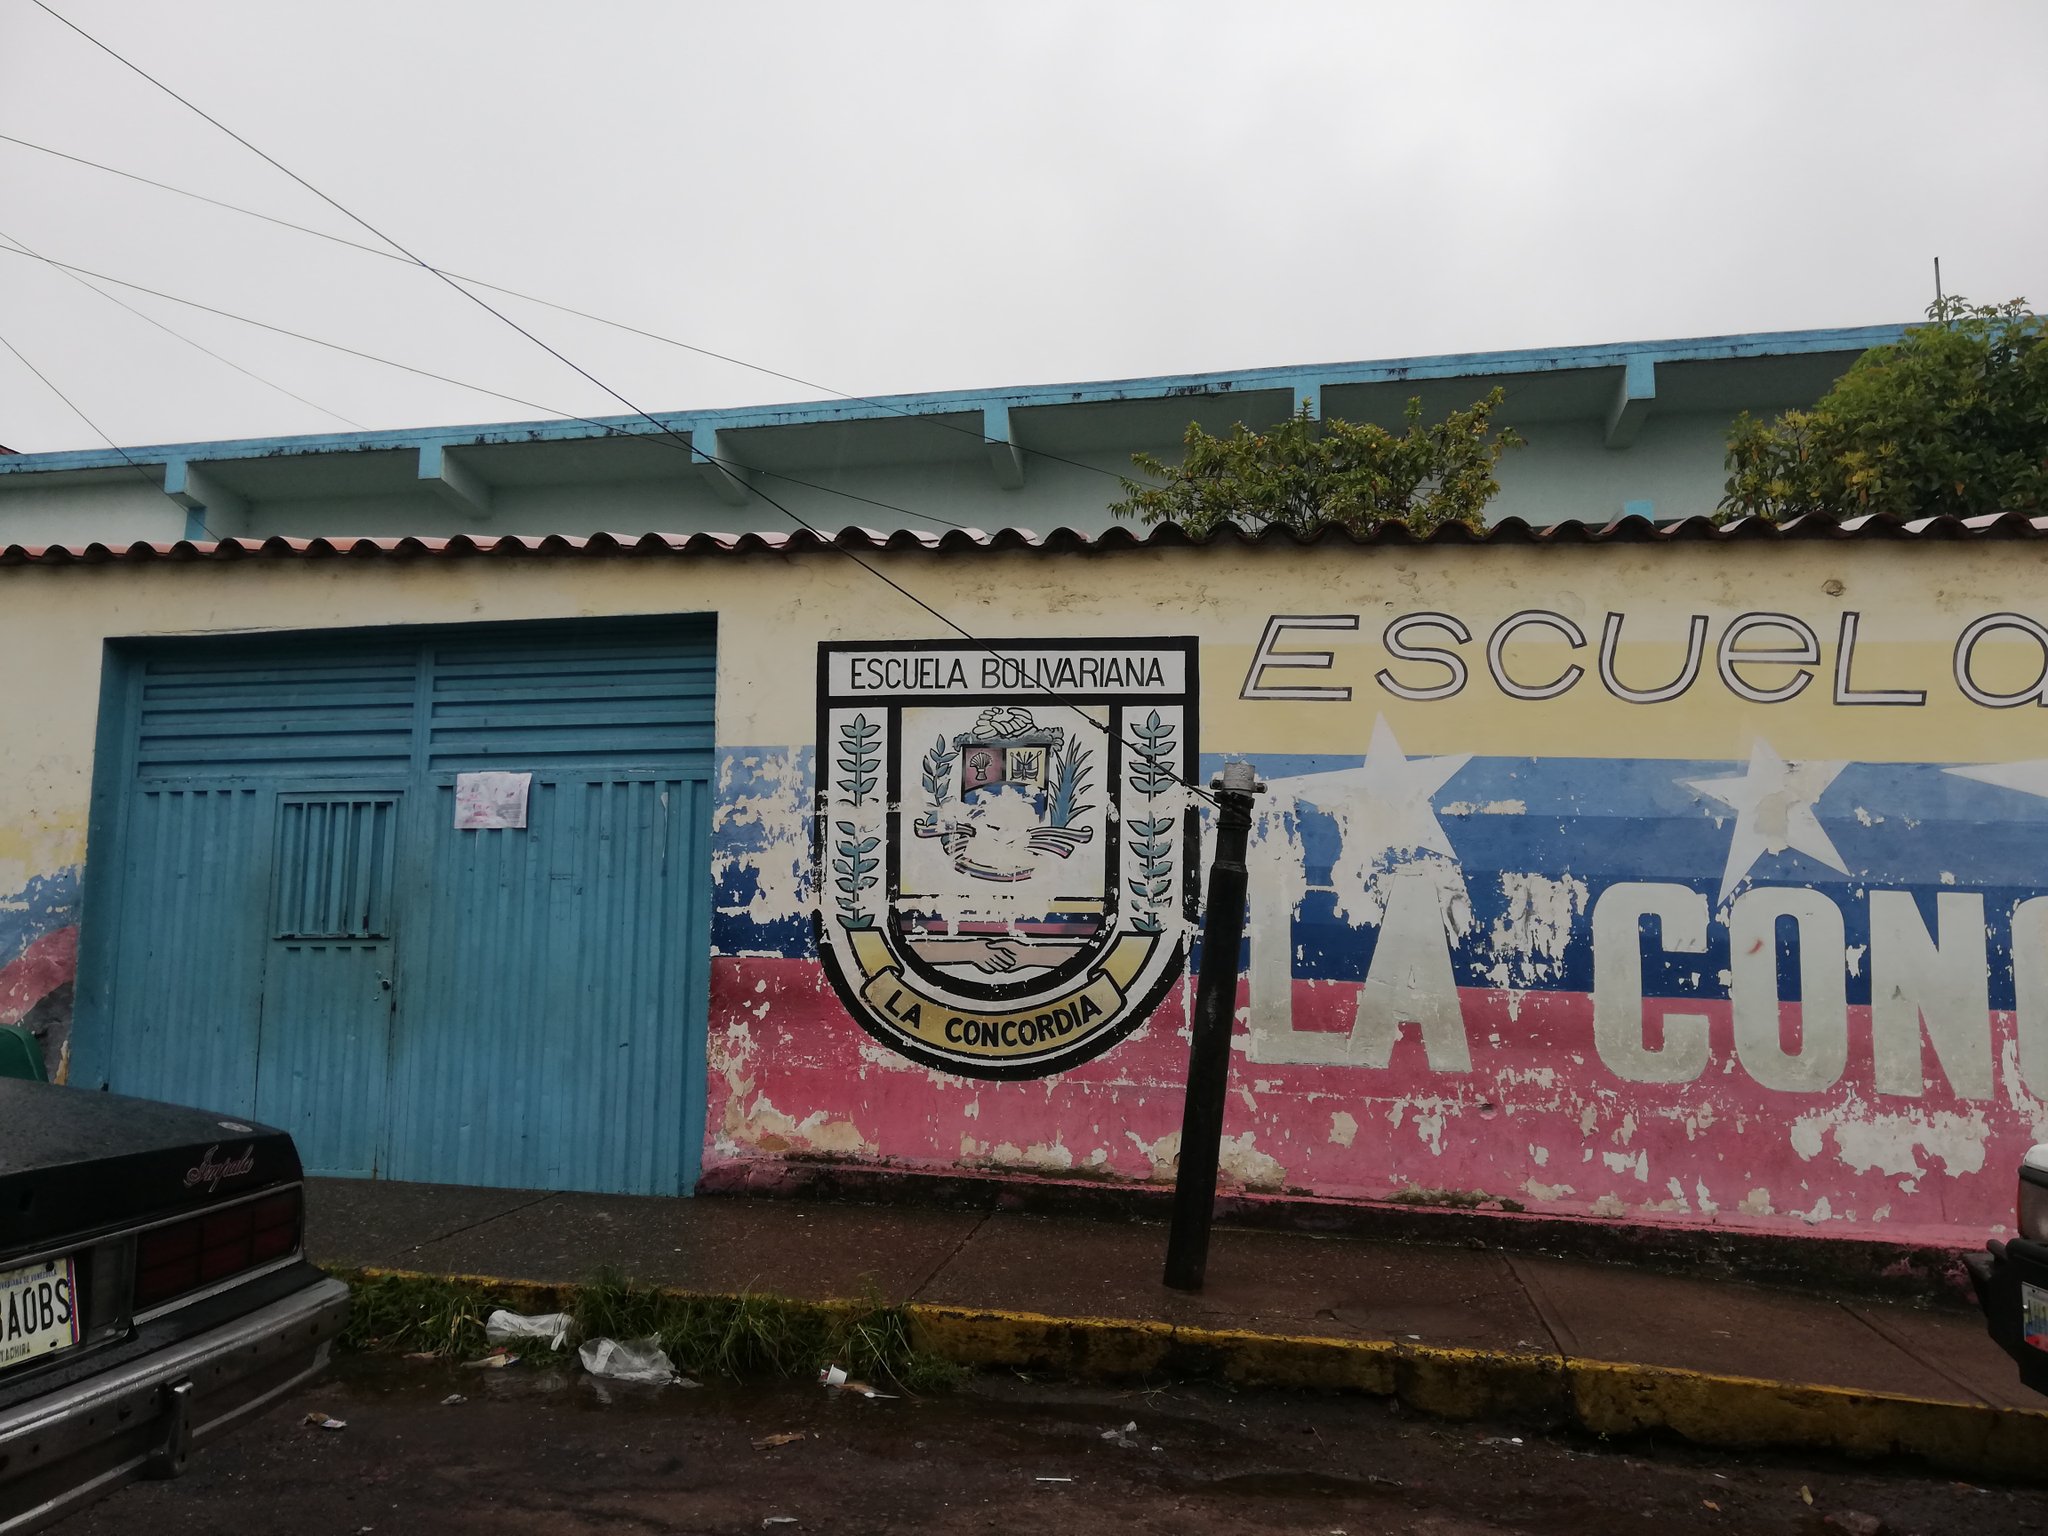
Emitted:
<point x="1929" y="986"/>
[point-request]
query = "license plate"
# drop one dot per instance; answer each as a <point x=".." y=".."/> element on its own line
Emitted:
<point x="2034" y="1315"/>
<point x="38" y="1310"/>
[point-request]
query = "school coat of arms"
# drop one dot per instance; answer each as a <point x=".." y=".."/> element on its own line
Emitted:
<point x="1005" y="843"/>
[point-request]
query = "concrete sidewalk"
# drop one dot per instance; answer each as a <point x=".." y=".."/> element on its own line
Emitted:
<point x="1458" y="1331"/>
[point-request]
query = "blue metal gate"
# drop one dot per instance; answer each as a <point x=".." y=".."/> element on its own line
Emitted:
<point x="287" y="923"/>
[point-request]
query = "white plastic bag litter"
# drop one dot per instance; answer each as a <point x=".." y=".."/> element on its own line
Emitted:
<point x="639" y="1360"/>
<point x="503" y="1327"/>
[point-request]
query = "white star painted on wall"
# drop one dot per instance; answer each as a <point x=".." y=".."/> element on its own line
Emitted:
<point x="2029" y="778"/>
<point x="1773" y="804"/>
<point x="1384" y="817"/>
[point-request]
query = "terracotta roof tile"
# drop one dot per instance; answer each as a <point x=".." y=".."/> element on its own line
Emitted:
<point x="1513" y="531"/>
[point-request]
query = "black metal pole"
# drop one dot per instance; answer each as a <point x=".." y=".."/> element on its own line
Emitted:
<point x="1201" y="1126"/>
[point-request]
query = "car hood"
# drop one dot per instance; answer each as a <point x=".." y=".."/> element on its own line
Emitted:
<point x="74" y="1161"/>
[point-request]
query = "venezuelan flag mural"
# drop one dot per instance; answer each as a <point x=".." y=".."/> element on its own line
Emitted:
<point x="1643" y="903"/>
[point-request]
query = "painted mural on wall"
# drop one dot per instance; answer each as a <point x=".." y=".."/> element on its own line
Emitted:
<point x="1005" y="851"/>
<point x="1796" y="980"/>
<point x="39" y="961"/>
<point x="1813" y="989"/>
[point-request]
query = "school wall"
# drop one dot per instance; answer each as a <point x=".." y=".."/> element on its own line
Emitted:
<point x="1712" y="959"/>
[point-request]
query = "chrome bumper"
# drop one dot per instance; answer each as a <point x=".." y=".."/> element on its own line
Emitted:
<point x="144" y="1416"/>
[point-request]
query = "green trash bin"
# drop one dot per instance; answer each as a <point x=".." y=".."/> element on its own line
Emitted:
<point x="20" y="1055"/>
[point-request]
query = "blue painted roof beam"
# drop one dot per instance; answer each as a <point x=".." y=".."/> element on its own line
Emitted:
<point x="1005" y="458"/>
<point x="211" y="509"/>
<point x="456" y="483"/>
<point x="728" y="486"/>
<point x="1633" y="398"/>
<point x="1524" y="365"/>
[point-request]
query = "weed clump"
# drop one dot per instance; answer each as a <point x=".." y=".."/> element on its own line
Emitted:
<point x="734" y="1338"/>
<point x="410" y="1314"/>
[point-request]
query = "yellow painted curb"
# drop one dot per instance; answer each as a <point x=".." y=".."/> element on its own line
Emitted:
<point x="1086" y="1348"/>
<point x="1455" y="1383"/>
<point x="1611" y="1398"/>
<point x="1544" y="1390"/>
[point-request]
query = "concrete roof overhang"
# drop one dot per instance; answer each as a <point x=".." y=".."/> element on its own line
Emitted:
<point x="1615" y="383"/>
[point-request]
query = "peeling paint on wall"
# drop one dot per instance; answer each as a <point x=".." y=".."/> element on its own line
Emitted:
<point x="39" y="961"/>
<point x="1632" y="988"/>
<point x="761" y="848"/>
<point x="1529" y="938"/>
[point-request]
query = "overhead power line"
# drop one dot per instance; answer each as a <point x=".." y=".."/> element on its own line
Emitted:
<point x="147" y="478"/>
<point x="610" y="429"/>
<point x="355" y="218"/>
<point x="113" y="298"/>
<point x="484" y="304"/>
<point x="924" y="417"/>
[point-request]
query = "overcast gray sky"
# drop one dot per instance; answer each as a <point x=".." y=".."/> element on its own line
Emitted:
<point x="905" y="197"/>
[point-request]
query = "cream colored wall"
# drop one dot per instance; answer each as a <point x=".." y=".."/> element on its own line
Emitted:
<point x="790" y="1070"/>
<point x="772" y="612"/>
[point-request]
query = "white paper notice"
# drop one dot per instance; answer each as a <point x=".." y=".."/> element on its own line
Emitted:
<point x="491" y="799"/>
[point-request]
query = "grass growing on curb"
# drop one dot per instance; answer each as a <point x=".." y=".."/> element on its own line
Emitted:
<point x="402" y="1314"/>
<point x="734" y="1337"/>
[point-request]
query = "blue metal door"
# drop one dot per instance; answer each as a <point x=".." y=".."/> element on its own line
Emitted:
<point x="287" y="922"/>
<point x="538" y="1010"/>
<point x="537" y="1044"/>
<point x="323" y="1050"/>
<point x="186" y="899"/>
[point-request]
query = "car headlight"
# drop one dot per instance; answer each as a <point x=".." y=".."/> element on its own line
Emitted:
<point x="2033" y="1213"/>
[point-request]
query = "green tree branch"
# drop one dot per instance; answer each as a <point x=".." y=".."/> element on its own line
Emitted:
<point x="1304" y="474"/>
<point x="1951" y="419"/>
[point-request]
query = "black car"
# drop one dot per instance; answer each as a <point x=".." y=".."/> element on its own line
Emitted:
<point x="152" y="1289"/>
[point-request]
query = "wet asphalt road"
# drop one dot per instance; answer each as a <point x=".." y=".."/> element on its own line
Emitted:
<point x="542" y="1452"/>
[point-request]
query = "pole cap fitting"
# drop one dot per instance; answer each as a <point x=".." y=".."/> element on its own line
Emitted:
<point x="1238" y="776"/>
